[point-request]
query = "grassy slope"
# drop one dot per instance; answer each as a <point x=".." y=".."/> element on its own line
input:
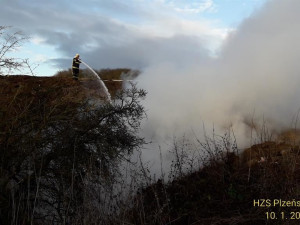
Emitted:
<point x="223" y="191"/>
<point x="30" y="98"/>
<point x="108" y="75"/>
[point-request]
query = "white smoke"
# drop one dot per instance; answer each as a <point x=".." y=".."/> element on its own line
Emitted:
<point x="256" y="76"/>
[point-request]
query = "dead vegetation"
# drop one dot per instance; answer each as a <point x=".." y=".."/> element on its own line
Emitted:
<point x="113" y="78"/>
<point x="60" y="157"/>
<point x="223" y="189"/>
<point x="60" y="144"/>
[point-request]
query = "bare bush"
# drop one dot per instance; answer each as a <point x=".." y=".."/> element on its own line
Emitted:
<point x="56" y="153"/>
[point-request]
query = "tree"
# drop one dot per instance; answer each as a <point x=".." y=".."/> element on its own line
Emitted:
<point x="54" y="150"/>
<point x="9" y="42"/>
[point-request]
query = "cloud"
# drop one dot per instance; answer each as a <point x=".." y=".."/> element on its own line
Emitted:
<point x="112" y="33"/>
<point x="37" y="40"/>
<point x="193" y="6"/>
<point x="40" y="58"/>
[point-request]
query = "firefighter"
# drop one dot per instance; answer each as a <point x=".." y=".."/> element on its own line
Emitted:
<point x="75" y="66"/>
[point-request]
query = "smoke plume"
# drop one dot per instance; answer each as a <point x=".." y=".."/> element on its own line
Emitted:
<point x="255" y="77"/>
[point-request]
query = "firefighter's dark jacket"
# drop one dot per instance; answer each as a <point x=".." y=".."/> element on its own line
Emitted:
<point x="75" y="65"/>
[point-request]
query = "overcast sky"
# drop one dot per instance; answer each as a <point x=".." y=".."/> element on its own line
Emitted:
<point x="122" y="33"/>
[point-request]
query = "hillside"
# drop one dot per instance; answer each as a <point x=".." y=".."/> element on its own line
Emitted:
<point x="12" y="87"/>
<point x="227" y="189"/>
<point x="113" y="78"/>
<point x="60" y="142"/>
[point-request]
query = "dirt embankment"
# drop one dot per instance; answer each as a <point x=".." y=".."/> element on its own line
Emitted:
<point x="29" y="87"/>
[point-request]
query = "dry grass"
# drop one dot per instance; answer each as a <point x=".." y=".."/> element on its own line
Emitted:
<point x="108" y="75"/>
<point x="222" y="191"/>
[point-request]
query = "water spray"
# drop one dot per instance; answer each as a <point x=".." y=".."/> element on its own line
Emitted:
<point x="100" y="81"/>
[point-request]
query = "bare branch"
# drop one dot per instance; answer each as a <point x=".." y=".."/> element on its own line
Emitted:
<point x="9" y="42"/>
<point x="31" y="67"/>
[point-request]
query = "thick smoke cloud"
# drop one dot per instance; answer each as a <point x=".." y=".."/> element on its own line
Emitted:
<point x="256" y="77"/>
